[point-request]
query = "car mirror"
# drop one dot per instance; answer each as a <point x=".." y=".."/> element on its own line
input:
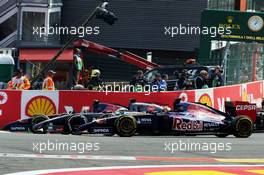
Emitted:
<point x="69" y="109"/>
<point x="85" y="109"/>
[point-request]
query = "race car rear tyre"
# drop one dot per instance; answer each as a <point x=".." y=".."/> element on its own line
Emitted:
<point x="243" y="127"/>
<point x="126" y="126"/>
<point x="36" y="120"/>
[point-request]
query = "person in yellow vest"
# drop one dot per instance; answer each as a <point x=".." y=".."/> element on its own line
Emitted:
<point x="48" y="83"/>
<point x="26" y="85"/>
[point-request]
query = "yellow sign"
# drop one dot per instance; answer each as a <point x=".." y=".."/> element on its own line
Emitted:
<point x="206" y="99"/>
<point x="40" y="105"/>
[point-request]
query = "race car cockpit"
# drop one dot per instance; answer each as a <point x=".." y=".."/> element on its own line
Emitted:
<point x="178" y="106"/>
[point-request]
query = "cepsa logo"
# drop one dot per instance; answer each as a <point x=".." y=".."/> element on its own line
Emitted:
<point x="40" y="105"/>
<point x="205" y="99"/>
<point x="246" y="107"/>
<point x="180" y="125"/>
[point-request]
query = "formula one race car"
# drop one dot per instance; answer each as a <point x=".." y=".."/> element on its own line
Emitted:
<point x="67" y="122"/>
<point x="62" y="121"/>
<point x="185" y="119"/>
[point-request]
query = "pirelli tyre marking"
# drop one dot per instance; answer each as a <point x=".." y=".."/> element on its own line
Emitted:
<point x="126" y="126"/>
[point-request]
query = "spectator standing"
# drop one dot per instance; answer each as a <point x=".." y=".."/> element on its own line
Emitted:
<point x="201" y="81"/>
<point x="181" y="83"/>
<point x="48" y="83"/>
<point x="216" y="79"/>
<point x="86" y="78"/>
<point x="189" y="84"/>
<point x="138" y="79"/>
<point x="158" y="83"/>
<point x="164" y="81"/>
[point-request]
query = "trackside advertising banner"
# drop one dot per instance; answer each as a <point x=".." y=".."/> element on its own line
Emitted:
<point x="15" y="105"/>
<point x="10" y="103"/>
<point x="223" y="94"/>
<point x="39" y="102"/>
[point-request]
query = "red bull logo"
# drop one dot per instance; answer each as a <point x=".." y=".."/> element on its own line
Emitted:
<point x="180" y="125"/>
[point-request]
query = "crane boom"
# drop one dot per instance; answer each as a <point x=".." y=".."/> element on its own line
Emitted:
<point x="123" y="56"/>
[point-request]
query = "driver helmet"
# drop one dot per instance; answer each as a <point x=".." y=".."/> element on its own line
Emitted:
<point x="95" y="73"/>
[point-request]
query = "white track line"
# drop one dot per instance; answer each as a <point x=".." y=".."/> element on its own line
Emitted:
<point x="39" y="172"/>
<point x="5" y="132"/>
<point x="78" y="157"/>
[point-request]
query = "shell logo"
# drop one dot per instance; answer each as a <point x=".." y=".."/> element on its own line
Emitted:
<point x="40" y="105"/>
<point x="206" y="99"/>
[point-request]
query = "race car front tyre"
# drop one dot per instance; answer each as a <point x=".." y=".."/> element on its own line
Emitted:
<point x="36" y="120"/>
<point x="243" y="127"/>
<point x="126" y="126"/>
<point x="73" y="123"/>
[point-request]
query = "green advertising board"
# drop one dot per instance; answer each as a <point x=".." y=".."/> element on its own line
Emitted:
<point x="243" y="27"/>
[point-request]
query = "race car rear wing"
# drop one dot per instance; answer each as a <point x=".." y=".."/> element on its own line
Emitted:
<point x="238" y="108"/>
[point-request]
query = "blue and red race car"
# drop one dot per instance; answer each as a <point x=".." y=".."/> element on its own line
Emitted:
<point x="185" y="119"/>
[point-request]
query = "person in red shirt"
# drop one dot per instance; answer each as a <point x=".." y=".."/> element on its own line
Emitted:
<point x="48" y="83"/>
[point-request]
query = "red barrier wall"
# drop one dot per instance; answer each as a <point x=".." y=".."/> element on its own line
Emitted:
<point x="16" y="105"/>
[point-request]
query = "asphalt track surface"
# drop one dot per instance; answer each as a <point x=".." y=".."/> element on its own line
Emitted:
<point x="21" y="151"/>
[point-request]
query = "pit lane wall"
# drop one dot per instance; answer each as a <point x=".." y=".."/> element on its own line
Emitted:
<point x="15" y="105"/>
